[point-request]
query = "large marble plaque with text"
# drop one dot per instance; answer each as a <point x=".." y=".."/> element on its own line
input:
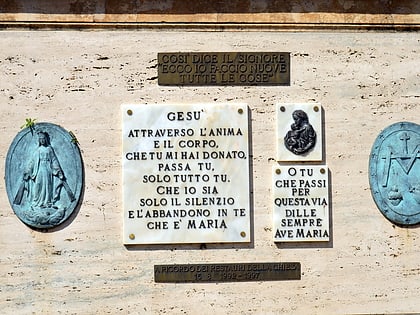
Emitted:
<point x="185" y="173"/>
<point x="301" y="203"/>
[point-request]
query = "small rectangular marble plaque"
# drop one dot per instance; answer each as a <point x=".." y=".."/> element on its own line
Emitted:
<point x="231" y="272"/>
<point x="301" y="203"/>
<point x="299" y="132"/>
<point x="224" y="68"/>
<point x="185" y="173"/>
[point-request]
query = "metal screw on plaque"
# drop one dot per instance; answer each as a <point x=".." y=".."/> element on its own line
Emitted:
<point x="316" y="108"/>
<point x="132" y="236"/>
<point x="240" y="110"/>
<point x="129" y="112"/>
<point x="278" y="171"/>
<point x="322" y="170"/>
<point x="283" y="109"/>
<point x="243" y="234"/>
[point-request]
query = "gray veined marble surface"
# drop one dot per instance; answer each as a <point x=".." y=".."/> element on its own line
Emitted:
<point x="186" y="173"/>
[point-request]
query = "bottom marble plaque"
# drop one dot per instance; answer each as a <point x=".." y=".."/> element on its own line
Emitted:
<point x="232" y="272"/>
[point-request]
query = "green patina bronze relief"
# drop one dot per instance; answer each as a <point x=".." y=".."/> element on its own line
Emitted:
<point x="44" y="175"/>
<point x="394" y="173"/>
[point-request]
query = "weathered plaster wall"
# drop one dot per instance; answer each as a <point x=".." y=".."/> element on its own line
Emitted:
<point x="297" y="13"/>
<point x="364" y="81"/>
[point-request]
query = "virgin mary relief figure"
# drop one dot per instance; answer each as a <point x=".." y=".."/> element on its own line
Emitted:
<point x="38" y="199"/>
<point x="42" y="169"/>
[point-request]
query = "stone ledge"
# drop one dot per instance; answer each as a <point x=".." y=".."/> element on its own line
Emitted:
<point x="213" y="26"/>
<point x="234" y="14"/>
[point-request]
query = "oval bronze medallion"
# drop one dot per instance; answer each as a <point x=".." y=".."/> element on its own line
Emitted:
<point x="44" y="175"/>
<point x="394" y="173"/>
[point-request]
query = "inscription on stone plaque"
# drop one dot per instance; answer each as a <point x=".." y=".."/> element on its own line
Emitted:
<point x="232" y="272"/>
<point x="301" y="203"/>
<point x="394" y="173"/>
<point x="299" y="132"/>
<point x="185" y="173"/>
<point x="224" y="68"/>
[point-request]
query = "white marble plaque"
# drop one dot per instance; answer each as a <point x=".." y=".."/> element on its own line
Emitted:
<point x="299" y="132"/>
<point x="301" y="203"/>
<point x="185" y="173"/>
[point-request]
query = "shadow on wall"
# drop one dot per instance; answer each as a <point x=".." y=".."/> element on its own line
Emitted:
<point x="204" y="6"/>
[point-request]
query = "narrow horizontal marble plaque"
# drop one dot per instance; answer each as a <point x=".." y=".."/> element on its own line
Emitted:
<point x="299" y="132"/>
<point x="301" y="203"/>
<point x="224" y="68"/>
<point x="185" y="173"/>
<point x="233" y="272"/>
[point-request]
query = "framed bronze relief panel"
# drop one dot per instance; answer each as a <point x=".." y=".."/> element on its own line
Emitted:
<point x="299" y="132"/>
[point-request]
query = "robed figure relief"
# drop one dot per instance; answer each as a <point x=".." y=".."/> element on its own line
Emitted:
<point x="43" y="196"/>
<point x="301" y="138"/>
<point x="44" y="177"/>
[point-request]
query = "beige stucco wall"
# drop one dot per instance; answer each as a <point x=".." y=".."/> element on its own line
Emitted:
<point x="364" y="82"/>
<point x="297" y="14"/>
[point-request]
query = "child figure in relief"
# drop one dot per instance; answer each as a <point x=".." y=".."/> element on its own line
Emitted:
<point x="302" y="137"/>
